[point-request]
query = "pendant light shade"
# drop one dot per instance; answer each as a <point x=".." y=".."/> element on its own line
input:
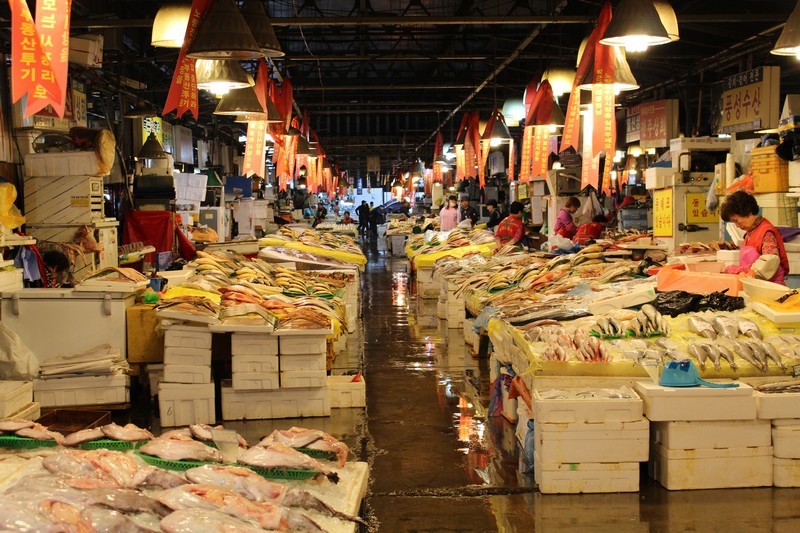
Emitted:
<point x="151" y="149"/>
<point x="169" y="26"/>
<point x="342" y="182"/>
<point x="636" y="25"/>
<point x="623" y="77"/>
<point x="514" y="111"/>
<point x="788" y="44"/>
<point x="556" y="117"/>
<point x="241" y="102"/>
<point x="668" y="19"/>
<point x="418" y="169"/>
<point x="293" y="132"/>
<point x="560" y="78"/>
<point x="142" y="109"/>
<point x="261" y="27"/>
<point x="302" y="146"/>
<point x="499" y="131"/>
<point x="218" y="76"/>
<point x="224" y="34"/>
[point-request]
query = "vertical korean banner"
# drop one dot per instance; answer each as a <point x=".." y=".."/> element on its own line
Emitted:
<point x="525" y="155"/>
<point x="183" y="89"/>
<point x="541" y="151"/>
<point x="254" y="150"/>
<point x="39" y="54"/>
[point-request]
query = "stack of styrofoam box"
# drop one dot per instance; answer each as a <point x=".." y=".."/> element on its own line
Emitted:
<point x="455" y="305"/>
<point x="82" y="390"/>
<point x="783" y="410"/>
<point x="588" y="444"/>
<point x="345" y="392"/>
<point x="303" y="359"/>
<point x="706" y="438"/>
<point x="16" y="400"/>
<point x="441" y="307"/>
<point x="427" y="288"/>
<point x="254" y="360"/>
<point x="185" y="391"/>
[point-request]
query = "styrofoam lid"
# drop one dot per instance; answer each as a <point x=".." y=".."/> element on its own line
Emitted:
<point x="648" y="388"/>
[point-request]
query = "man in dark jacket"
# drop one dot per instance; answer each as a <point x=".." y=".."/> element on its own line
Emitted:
<point x="466" y="211"/>
<point x="363" y="216"/>
<point x="494" y="215"/>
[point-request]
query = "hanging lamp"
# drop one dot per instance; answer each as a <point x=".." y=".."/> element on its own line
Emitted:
<point x="224" y="34"/>
<point x="788" y="44"/>
<point x="623" y="77"/>
<point x="169" y="26"/>
<point x="561" y="79"/>
<point x="220" y="76"/>
<point x="151" y="149"/>
<point x="636" y="25"/>
<point x="272" y="116"/>
<point x="514" y="111"/>
<point x="240" y="102"/>
<point x="261" y="27"/>
<point x="302" y="146"/>
<point x="499" y="131"/>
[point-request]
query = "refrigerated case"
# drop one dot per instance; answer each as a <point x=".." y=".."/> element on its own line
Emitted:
<point x="55" y="321"/>
<point x="680" y="214"/>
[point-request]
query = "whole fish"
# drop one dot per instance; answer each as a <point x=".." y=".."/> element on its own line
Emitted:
<point x="247" y="483"/>
<point x="127" y="501"/>
<point x="207" y="521"/>
<point x="12" y="425"/>
<point x="39" y="432"/>
<point x="725" y="327"/>
<point x="267" y="515"/>
<point x="667" y="344"/>
<point x="744" y="351"/>
<point x="280" y="456"/>
<point x="177" y="434"/>
<point x="129" y="432"/>
<point x="102" y="519"/>
<point x="162" y="479"/>
<point x="181" y="450"/>
<point x="748" y="328"/>
<point x="702" y="328"/>
<point x="773" y="354"/>
<point x="758" y="352"/>
<point x="714" y="354"/>
<point x="699" y="352"/>
<point x="726" y="354"/>
<point x="84" y="435"/>
<point x="203" y="432"/>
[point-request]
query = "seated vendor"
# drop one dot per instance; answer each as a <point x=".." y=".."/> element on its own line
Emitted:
<point x="762" y="254"/>
<point x="590" y="231"/>
<point x="347" y="219"/>
<point x="511" y="229"/>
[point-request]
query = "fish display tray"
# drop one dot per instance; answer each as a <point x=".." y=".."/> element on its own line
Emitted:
<point x="283" y="473"/>
<point x="778" y="405"/>
<point x="270" y="473"/>
<point x="318" y="454"/>
<point x="12" y="441"/>
<point x="180" y="466"/>
<point x="577" y="478"/>
<point x="786" y="439"/>
<point x="112" y="444"/>
<point x="587" y="409"/>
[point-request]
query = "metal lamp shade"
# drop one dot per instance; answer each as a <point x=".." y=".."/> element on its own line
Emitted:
<point x="261" y="27"/>
<point x="418" y="169"/>
<point x="623" y="77"/>
<point x="303" y="147"/>
<point x="293" y="132"/>
<point x="142" y="109"/>
<point x="560" y="78"/>
<point x="499" y="129"/>
<point x="668" y="19"/>
<point x="342" y="182"/>
<point x="169" y="26"/>
<point x="151" y="149"/>
<point x="224" y="34"/>
<point x="635" y="24"/>
<point x="219" y="76"/>
<point x="788" y="44"/>
<point x="241" y="102"/>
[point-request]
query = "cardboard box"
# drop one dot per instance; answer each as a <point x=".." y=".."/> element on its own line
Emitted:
<point x="86" y="50"/>
<point x="144" y="344"/>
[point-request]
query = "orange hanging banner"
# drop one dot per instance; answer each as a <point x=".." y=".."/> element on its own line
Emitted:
<point x="525" y="155"/>
<point x="511" y="157"/>
<point x="182" y="95"/>
<point x="32" y="71"/>
<point x="541" y="151"/>
<point x="254" y="150"/>
<point x="52" y="23"/>
<point x="262" y="85"/>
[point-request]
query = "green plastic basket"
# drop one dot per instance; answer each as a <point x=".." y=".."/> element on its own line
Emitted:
<point x="112" y="444"/>
<point x="283" y="473"/>
<point x="317" y="454"/>
<point x="180" y="466"/>
<point x="13" y="441"/>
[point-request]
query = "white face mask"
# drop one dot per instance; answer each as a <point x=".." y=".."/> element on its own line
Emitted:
<point x="452" y="204"/>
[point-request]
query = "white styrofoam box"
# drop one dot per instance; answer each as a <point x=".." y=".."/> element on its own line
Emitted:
<point x="255" y="363"/>
<point x="794" y="173"/>
<point x="61" y="164"/>
<point x="176" y="277"/>
<point x="187" y="337"/>
<point x="174" y="355"/>
<point x="14" y="395"/>
<point x="303" y="362"/>
<point x="255" y="380"/>
<point x="576" y="478"/>
<point x="254" y="344"/>
<point x="347" y="393"/>
<point x="524" y="415"/>
<point x="658" y="177"/>
<point x="719" y="468"/>
<point x="775" y="406"/>
<point x="86" y="50"/>
<point x="187" y="374"/>
<point x="667" y="404"/>
<point x="709" y="434"/>
<point x="303" y="379"/>
<point x="282" y="403"/>
<point x="303" y="345"/>
<point x="32" y="411"/>
<point x="786" y="439"/>
<point x="728" y="257"/>
<point x="181" y="404"/>
<point x="586" y="409"/>
<point x="11" y="280"/>
<point x="611" y="442"/>
<point x="83" y="390"/>
<point x="470" y="337"/>
<point x="786" y="472"/>
<point x="155" y="375"/>
<point x="63" y="200"/>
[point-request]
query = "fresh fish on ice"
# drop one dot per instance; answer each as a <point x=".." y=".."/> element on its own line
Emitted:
<point x="130" y="432"/>
<point x="177" y="434"/>
<point x="203" y="432"/>
<point x="97" y="468"/>
<point x="181" y="450"/>
<point x="267" y="515"/>
<point x="725" y="327"/>
<point x="701" y="327"/>
<point x="206" y="521"/>
<point x="109" y="520"/>
<point x="280" y="456"/>
<point x="39" y="432"/>
<point x="12" y="425"/>
<point x="84" y="435"/>
<point x="127" y="501"/>
<point x="714" y="354"/>
<point x="699" y="352"/>
<point x="748" y="328"/>
<point x="162" y="479"/>
<point x="773" y="354"/>
<point x="758" y="352"/>
<point x="308" y="438"/>
<point x="247" y="483"/>
<point x="744" y="351"/>
<point x="726" y="354"/>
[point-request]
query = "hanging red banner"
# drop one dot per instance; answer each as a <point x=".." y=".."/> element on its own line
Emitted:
<point x="183" y="89"/>
<point x="511" y="157"/>
<point x="590" y="168"/>
<point x="461" y="164"/>
<point x="33" y="72"/>
<point x="262" y="83"/>
<point x="525" y="155"/>
<point x="254" y="150"/>
<point x="541" y="151"/>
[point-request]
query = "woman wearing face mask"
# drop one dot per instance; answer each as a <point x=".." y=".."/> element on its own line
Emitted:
<point x="449" y="214"/>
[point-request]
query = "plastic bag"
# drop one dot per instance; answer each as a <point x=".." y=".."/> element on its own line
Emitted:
<point x="17" y="361"/>
<point x="675" y="303"/>
<point x="712" y="200"/>
<point x="557" y="242"/>
<point x="745" y="183"/>
<point x="717" y="301"/>
<point x="10" y="216"/>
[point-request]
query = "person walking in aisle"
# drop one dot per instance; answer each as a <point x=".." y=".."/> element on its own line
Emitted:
<point x="449" y="214"/>
<point x="362" y="212"/>
<point x="494" y="215"/>
<point x="467" y="212"/>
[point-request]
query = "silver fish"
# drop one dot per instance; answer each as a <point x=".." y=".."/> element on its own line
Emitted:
<point x="745" y="351"/>
<point x="699" y="352"/>
<point x="759" y="353"/>
<point x="773" y="354"/>
<point x="725" y="327"/>
<point x="616" y="325"/>
<point x="748" y="328"/>
<point x="701" y="327"/>
<point x="726" y="354"/>
<point x="714" y="354"/>
<point x="667" y="344"/>
<point x="84" y="435"/>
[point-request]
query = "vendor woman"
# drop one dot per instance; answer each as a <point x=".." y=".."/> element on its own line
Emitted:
<point x="762" y="254"/>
